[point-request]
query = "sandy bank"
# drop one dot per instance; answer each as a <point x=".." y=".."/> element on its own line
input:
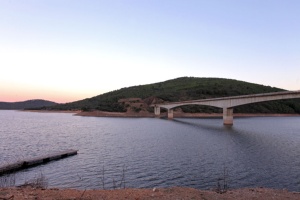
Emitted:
<point x="141" y="194"/>
<point x="115" y="114"/>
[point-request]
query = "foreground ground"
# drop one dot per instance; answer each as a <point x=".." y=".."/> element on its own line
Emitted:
<point x="140" y="194"/>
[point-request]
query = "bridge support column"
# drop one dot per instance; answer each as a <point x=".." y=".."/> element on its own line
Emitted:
<point x="170" y="114"/>
<point x="157" y="110"/>
<point x="228" y="116"/>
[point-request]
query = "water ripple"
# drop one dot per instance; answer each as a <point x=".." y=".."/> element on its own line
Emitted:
<point x="154" y="152"/>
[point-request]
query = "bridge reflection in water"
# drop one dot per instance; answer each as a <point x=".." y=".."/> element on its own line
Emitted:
<point x="228" y="103"/>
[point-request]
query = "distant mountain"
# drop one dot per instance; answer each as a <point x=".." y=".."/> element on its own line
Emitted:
<point x="138" y="98"/>
<point x="30" y="104"/>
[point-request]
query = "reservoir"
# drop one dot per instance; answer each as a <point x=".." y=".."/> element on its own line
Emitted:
<point x="152" y="152"/>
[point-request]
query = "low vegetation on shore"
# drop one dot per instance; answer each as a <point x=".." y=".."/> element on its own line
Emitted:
<point x="37" y="189"/>
<point x="31" y="193"/>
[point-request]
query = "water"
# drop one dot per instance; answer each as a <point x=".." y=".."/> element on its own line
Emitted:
<point x="150" y="152"/>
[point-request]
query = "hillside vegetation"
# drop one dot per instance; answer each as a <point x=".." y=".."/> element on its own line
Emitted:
<point x="30" y="104"/>
<point x="138" y="98"/>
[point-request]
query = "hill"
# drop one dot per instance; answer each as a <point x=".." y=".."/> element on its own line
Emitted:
<point x="30" y="104"/>
<point x="138" y="98"/>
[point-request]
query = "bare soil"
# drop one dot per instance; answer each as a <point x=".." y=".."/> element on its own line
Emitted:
<point x="141" y="194"/>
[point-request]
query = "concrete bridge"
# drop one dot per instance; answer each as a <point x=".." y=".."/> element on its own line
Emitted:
<point x="228" y="103"/>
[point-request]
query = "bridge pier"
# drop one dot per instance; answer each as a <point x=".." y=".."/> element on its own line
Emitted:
<point x="157" y="110"/>
<point x="228" y="116"/>
<point x="227" y="103"/>
<point x="170" y="114"/>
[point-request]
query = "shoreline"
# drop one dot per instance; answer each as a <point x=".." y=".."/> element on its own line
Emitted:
<point x="162" y="115"/>
<point x="52" y="111"/>
<point x="155" y="193"/>
<point x="177" y="115"/>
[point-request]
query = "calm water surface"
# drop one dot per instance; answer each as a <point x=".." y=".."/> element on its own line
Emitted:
<point x="256" y="152"/>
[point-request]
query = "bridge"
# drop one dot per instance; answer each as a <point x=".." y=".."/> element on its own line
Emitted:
<point x="228" y="103"/>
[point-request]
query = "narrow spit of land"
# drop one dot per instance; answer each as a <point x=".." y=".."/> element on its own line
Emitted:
<point x="151" y="115"/>
<point x="27" y="163"/>
<point x="176" y="114"/>
<point x="30" y="193"/>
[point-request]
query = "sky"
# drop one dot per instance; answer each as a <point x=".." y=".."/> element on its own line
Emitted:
<point x="68" y="50"/>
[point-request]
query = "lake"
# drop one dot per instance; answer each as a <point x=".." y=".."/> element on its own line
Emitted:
<point x="152" y="152"/>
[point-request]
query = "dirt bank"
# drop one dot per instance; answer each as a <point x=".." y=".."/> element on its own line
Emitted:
<point x="140" y="194"/>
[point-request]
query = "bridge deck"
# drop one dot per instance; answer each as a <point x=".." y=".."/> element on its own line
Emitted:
<point x="235" y="97"/>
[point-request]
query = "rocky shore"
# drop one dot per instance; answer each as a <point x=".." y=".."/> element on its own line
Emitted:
<point x="30" y="193"/>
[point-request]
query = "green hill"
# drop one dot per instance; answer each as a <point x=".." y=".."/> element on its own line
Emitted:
<point x="30" y="104"/>
<point x="138" y="98"/>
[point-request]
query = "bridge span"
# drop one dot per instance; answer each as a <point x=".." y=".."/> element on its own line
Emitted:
<point x="228" y="103"/>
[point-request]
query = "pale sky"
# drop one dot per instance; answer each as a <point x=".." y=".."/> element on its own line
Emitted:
<point x="67" y="50"/>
